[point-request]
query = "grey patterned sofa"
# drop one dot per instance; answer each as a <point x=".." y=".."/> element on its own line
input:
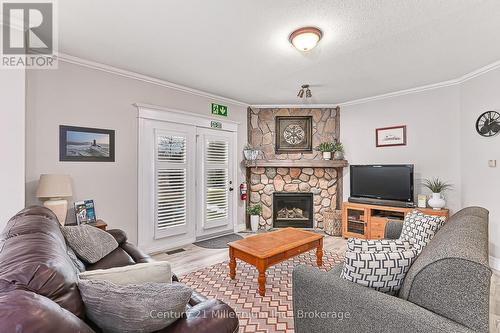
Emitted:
<point x="446" y="289"/>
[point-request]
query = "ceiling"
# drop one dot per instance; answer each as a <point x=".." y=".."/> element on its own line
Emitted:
<point x="240" y="49"/>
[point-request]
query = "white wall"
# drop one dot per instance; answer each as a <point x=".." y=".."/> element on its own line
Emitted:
<point x="480" y="183"/>
<point x="12" y="143"/>
<point x="442" y="142"/>
<point x="81" y="96"/>
<point x="432" y="120"/>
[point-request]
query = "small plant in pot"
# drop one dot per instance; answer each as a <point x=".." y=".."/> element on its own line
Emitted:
<point x="338" y="149"/>
<point x="327" y="148"/>
<point x="251" y="153"/>
<point x="437" y="187"/>
<point x="254" y="211"/>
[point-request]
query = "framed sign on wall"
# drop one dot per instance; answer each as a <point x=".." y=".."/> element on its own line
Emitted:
<point x="84" y="144"/>
<point x="293" y="134"/>
<point x="390" y="136"/>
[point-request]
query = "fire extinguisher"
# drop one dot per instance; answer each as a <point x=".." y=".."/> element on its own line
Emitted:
<point x="243" y="191"/>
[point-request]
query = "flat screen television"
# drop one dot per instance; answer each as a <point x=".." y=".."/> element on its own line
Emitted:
<point x="381" y="184"/>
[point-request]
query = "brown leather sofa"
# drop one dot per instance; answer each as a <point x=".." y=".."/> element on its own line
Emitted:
<point x="38" y="282"/>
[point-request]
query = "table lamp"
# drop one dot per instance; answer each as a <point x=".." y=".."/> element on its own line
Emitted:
<point x="55" y="188"/>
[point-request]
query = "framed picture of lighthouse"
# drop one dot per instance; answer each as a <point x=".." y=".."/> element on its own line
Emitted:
<point x="84" y="144"/>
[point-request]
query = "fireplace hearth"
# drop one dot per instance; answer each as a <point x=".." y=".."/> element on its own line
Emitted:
<point x="293" y="209"/>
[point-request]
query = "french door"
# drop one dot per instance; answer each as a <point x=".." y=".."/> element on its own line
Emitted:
<point x="186" y="175"/>
<point x="215" y="181"/>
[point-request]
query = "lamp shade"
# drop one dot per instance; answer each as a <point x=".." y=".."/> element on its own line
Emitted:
<point x="54" y="186"/>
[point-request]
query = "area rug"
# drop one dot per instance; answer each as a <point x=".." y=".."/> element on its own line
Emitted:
<point x="218" y="242"/>
<point x="257" y="314"/>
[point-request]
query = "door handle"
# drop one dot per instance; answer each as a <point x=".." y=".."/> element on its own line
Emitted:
<point x="231" y="189"/>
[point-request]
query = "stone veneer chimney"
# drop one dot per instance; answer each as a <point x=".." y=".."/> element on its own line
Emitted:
<point x="298" y="172"/>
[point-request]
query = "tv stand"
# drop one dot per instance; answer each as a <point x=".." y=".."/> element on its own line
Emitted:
<point x="381" y="202"/>
<point x="368" y="221"/>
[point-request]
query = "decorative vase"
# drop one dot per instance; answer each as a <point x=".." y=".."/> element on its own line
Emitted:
<point x="254" y="222"/>
<point x="338" y="155"/>
<point x="250" y="154"/>
<point x="327" y="155"/>
<point x="437" y="201"/>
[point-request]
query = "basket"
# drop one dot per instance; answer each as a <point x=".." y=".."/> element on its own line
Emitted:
<point x="332" y="223"/>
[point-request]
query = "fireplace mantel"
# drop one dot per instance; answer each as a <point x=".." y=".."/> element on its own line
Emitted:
<point x="303" y="163"/>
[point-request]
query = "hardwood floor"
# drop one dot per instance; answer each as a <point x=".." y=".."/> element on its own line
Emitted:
<point x="194" y="258"/>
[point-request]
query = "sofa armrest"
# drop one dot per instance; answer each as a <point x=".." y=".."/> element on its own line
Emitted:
<point x="132" y="250"/>
<point x="136" y="253"/>
<point x="27" y="312"/>
<point x="119" y="235"/>
<point x="324" y="302"/>
<point x="206" y="317"/>
<point x="393" y="229"/>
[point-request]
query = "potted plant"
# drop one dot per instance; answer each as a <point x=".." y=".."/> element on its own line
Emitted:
<point x="338" y="150"/>
<point x="250" y="153"/>
<point x="254" y="211"/>
<point x="326" y="148"/>
<point x="437" y="187"/>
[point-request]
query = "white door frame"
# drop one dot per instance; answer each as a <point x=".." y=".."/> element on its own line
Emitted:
<point x="145" y="188"/>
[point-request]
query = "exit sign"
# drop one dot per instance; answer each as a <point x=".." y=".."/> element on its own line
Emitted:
<point x="220" y="110"/>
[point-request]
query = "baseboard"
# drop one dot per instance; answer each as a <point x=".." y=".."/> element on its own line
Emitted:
<point x="495" y="263"/>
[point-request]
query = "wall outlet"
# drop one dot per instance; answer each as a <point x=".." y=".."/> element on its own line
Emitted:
<point x="492" y="163"/>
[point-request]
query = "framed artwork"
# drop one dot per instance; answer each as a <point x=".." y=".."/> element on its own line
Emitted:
<point x="390" y="136"/>
<point x="293" y="134"/>
<point x="84" y="144"/>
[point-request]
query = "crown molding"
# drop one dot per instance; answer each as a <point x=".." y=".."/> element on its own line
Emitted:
<point x="460" y="80"/>
<point x="295" y="106"/>
<point x="415" y="90"/>
<point x="144" y="78"/>
<point x="478" y="72"/>
<point x="148" y="79"/>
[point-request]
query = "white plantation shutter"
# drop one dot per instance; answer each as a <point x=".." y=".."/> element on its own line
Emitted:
<point x="216" y="179"/>
<point x="171" y="182"/>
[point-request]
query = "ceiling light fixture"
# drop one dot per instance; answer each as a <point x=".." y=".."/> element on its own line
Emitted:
<point x="304" y="89"/>
<point x="305" y="39"/>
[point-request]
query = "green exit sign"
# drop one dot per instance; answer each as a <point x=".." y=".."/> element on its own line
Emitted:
<point x="220" y="110"/>
<point x="216" y="124"/>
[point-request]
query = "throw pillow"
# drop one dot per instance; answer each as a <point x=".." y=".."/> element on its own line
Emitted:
<point x="91" y="244"/>
<point x="158" y="271"/>
<point x="419" y="228"/>
<point x="77" y="263"/>
<point x="132" y="308"/>
<point x="382" y="271"/>
<point x="362" y="245"/>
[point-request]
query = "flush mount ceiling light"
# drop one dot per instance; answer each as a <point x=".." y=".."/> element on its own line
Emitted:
<point x="304" y="89"/>
<point x="305" y="39"/>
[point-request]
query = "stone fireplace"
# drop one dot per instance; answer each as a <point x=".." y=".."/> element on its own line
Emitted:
<point x="293" y="209"/>
<point x="276" y="176"/>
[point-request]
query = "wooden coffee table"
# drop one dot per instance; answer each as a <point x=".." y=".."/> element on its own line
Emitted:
<point x="270" y="248"/>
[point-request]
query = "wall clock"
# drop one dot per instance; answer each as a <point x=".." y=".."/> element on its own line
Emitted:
<point x="488" y="124"/>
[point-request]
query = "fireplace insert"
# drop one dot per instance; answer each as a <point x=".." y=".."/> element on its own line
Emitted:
<point x="293" y="209"/>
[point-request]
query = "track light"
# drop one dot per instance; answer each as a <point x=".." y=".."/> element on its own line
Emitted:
<point x="304" y="89"/>
<point x="301" y="93"/>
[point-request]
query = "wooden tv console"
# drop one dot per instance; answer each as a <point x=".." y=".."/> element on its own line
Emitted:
<point x="368" y="221"/>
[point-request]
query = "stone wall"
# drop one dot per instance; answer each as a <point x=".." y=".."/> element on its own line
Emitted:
<point x="261" y="129"/>
<point x="324" y="183"/>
